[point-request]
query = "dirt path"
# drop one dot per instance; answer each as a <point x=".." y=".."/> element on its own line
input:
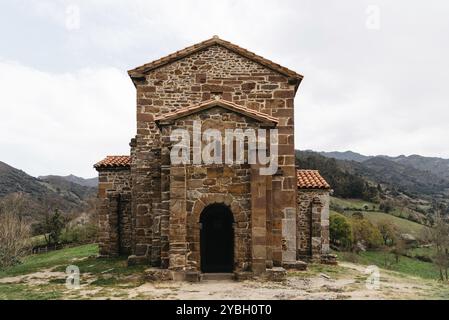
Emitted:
<point x="346" y="281"/>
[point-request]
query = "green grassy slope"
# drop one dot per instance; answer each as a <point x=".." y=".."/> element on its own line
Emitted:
<point x="403" y="225"/>
<point x="381" y="259"/>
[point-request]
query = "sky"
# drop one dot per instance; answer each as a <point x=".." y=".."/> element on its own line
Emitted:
<point x="376" y="77"/>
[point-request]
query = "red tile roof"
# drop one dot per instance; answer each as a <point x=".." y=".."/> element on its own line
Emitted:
<point x="311" y="179"/>
<point x="114" y="162"/>
<point x="259" y="116"/>
<point x="140" y="71"/>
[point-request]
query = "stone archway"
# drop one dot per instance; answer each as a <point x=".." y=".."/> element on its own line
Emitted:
<point x="217" y="239"/>
<point x="241" y="231"/>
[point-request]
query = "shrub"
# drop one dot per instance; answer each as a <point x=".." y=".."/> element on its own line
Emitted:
<point x="80" y="233"/>
<point x="388" y="232"/>
<point x="14" y="235"/>
<point x="366" y="233"/>
<point x="340" y="231"/>
<point x="51" y="227"/>
<point x="357" y="215"/>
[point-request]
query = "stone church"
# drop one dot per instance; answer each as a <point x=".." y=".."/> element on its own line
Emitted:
<point x="193" y="219"/>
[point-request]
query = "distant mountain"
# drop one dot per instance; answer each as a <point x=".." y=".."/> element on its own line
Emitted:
<point x="346" y="155"/>
<point x="15" y="180"/>
<point x="412" y="174"/>
<point x="92" y="182"/>
<point x="404" y="177"/>
<point x="437" y="166"/>
<point x="47" y="192"/>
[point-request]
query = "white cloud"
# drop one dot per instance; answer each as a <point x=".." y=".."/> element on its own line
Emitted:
<point x="63" y="123"/>
<point x="376" y="92"/>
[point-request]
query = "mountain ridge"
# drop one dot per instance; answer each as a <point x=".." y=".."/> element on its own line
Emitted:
<point x="53" y="192"/>
<point x="435" y="165"/>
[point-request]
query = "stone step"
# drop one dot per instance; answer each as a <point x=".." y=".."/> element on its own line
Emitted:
<point x="217" y="276"/>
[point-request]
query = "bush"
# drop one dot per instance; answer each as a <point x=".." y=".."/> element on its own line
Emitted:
<point x="51" y="227"/>
<point x="388" y="232"/>
<point x="357" y="215"/>
<point x="80" y="234"/>
<point x="340" y="231"/>
<point x="366" y="233"/>
<point x="14" y="235"/>
<point x="386" y="206"/>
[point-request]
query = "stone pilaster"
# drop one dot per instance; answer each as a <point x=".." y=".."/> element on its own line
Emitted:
<point x="178" y="219"/>
<point x="258" y="221"/>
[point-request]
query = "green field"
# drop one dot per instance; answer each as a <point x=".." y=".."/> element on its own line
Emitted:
<point x="107" y="272"/>
<point x="356" y="204"/>
<point x="402" y="225"/>
<point x="385" y="260"/>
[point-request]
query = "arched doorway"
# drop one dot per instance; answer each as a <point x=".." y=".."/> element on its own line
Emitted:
<point x="217" y="239"/>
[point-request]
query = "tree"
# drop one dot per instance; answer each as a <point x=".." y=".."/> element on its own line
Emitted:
<point x="51" y="227"/>
<point x="388" y="232"/>
<point x="14" y="231"/>
<point x="17" y="204"/>
<point x="340" y="231"/>
<point x="366" y="233"/>
<point x="438" y="235"/>
<point x="398" y="249"/>
<point x="386" y="206"/>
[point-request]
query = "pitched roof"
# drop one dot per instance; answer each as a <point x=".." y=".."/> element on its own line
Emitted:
<point x="114" y="162"/>
<point x="256" y="115"/>
<point x="140" y="71"/>
<point x="311" y="179"/>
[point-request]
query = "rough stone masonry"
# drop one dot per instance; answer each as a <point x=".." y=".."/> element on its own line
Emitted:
<point x="194" y="219"/>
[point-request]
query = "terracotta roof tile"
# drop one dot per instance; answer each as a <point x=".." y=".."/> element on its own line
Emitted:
<point x="311" y="179"/>
<point x="259" y="116"/>
<point x="114" y="162"/>
<point x="139" y="71"/>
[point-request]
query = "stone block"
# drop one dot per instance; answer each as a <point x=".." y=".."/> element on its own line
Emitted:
<point x="295" y="265"/>
<point x="192" y="276"/>
<point x="137" y="260"/>
<point x="277" y="274"/>
<point x="154" y="274"/>
<point x="178" y="275"/>
<point x="243" y="275"/>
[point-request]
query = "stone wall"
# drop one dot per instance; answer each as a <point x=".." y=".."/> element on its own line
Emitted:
<point x="188" y="189"/>
<point x="114" y="211"/>
<point x="312" y="223"/>
<point x="215" y="71"/>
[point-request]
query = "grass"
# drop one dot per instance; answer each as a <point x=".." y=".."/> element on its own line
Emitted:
<point x="105" y="273"/>
<point x="356" y="204"/>
<point x="38" y="262"/>
<point x="386" y="260"/>
<point x="403" y="225"/>
<point x="23" y="292"/>
<point x="111" y="278"/>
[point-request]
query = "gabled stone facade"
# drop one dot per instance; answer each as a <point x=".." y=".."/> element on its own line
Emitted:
<point x="160" y="213"/>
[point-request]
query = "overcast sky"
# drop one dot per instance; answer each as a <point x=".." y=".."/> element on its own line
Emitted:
<point x="376" y="72"/>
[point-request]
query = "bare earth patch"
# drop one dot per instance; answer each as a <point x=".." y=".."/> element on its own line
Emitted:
<point x="35" y="278"/>
<point x="346" y="281"/>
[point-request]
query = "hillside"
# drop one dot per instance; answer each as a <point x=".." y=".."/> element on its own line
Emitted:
<point x="437" y="166"/>
<point x="404" y="177"/>
<point x="14" y="180"/>
<point x="414" y="175"/>
<point x="346" y="155"/>
<point x="396" y="218"/>
<point x="426" y="174"/>
<point x="403" y="190"/>
<point x="92" y="182"/>
<point x="46" y="192"/>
